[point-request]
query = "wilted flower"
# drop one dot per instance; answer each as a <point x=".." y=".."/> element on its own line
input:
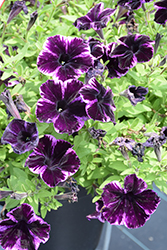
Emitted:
<point x="96" y="70"/>
<point x="96" y="133"/>
<point x="97" y="19"/>
<point x="138" y="150"/>
<point x="157" y="41"/>
<point x="161" y="13"/>
<point x="130" y="206"/>
<point x="156" y="141"/>
<point x="62" y="105"/>
<point x="135" y="94"/>
<point x="123" y="143"/>
<point x="23" y="229"/>
<point x="132" y="4"/>
<point x="64" y="57"/>
<point x="8" y="101"/>
<point x="21" y="135"/>
<point x="54" y="160"/>
<point x="99" y="102"/>
<point x="16" y="8"/>
<point x="33" y="18"/>
<point x="132" y="50"/>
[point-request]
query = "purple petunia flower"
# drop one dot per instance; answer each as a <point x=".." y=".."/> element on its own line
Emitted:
<point x="132" y="4"/>
<point x="161" y="13"/>
<point x="99" y="102"/>
<point x="62" y="105"/>
<point x="23" y="229"/>
<point x="21" y="135"/>
<point x="130" y="206"/>
<point x="135" y="94"/>
<point x="132" y="50"/>
<point x="54" y="160"/>
<point x="64" y="57"/>
<point x="97" y="19"/>
<point x="114" y="70"/>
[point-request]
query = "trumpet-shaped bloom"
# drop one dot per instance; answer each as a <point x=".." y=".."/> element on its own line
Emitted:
<point x="132" y="50"/>
<point x="54" y="160"/>
<point x="97" y="18"/>
<point x="135" y="94"/>
<point x="23" y="229"/>
<point x="130" y="206"/>
<point x="62" y="105"/>
<point x="64" y="57"/>
<point x="21" y="135"/>
<point x="99" y="102"/>
<point x="114" y="70"/>
<point x="161" y="13"/>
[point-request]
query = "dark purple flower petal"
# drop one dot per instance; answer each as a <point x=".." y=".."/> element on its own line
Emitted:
<point x="64" y="57"/>
<point x="62" y="105"/>
<point x="98" y="213"/>
<point x="96" y="47"/>
<point x="54" y="160"/>
<point x="21" y="135"/>
<point x="113" y="64"/>
<point x="23" y="230"/>
<point x="132" y="4"/>
<point x="131" y="206"/>
<point x="100" y="105"/>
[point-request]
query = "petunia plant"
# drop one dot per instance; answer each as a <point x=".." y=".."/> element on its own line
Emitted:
<point x="82" y="104"/>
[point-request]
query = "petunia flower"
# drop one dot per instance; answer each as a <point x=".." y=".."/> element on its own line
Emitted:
<point x="130" y="206"/>
<point x="132" y="4"/>
<point x="62" y="105"/>
<point x="161" y="13"/>
<point x="23" y="229"/>
<point x="99" y="102"/>
<point x="112" y="63"/>
<point x="21" y="135"/>
<point x="97" y="19"/>
<point x="132" y="50"/>
<point x="135" y="94"/>
<point x="64" y="57"/>
<point x="54" y="160"/>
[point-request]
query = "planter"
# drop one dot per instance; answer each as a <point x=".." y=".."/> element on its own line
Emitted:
<point x="70" y="229"/>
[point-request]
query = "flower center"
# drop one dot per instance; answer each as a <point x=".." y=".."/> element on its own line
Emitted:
<point x="61" y="106"/>
<point x="24" y="136"/>
<point x="64" y="59"/>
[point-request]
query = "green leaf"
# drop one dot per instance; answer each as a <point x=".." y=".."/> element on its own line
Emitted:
<point x="110" y="179"/>
<point x="128" y="171"/>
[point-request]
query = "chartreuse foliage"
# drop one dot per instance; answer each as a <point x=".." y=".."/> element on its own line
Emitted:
<point x="99" y="165"/>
